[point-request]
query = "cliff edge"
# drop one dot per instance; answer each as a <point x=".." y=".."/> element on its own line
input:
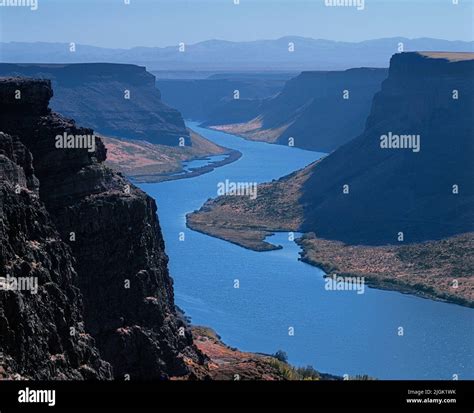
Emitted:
<point x="85" y="232"/>
<point x="117" y="100"/>
<point x="410" y="171"/>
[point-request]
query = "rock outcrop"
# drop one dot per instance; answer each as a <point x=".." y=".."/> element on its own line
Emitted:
<point x="113" y="99"/>
<point x="114" y="257"/>
<point x="211" y="100"/>
<point x="316" y="110"/>
<point x="42" y="334"/>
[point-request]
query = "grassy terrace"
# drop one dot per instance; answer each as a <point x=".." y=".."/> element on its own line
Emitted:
<point x="147" y="162"/>
<point x="441" y="269"/>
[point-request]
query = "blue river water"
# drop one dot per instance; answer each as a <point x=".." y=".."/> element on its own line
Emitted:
<point x="337" y="332"/>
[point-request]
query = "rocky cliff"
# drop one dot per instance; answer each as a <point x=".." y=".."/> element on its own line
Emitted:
<point x="42" y="335"/>
<point x="398" y="212"/>
<point x="315" y="110"/>
<point x="114" y="99"/>
<point x="411" y="170"/>
<point x="211" y="100"/>
<point x="114" y="261"/>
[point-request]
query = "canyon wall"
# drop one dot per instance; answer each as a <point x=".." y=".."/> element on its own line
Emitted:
<point x="42" y="332"/>
<point x="114" y="99"/>
<point x="211" y="100"/>
<point x="317" y="111"/>
<point x="368" y="193"/>
<point x="95" y="243"/>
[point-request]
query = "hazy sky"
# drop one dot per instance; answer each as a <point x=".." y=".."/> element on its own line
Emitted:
<point x="111" y="23"/>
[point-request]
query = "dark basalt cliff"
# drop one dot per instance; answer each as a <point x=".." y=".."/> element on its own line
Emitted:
<point x="35" y="328"/>
<point x="426" y="194"/>
<point x="211" y="100"/>
<point x="319" y="110"/>
<point x="318" y="113"/>
<point x="95" y="95"/>
<point x="95" y="244"/>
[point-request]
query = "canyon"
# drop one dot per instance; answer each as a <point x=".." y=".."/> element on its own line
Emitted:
<point x="113" y="99"/>
<point x="361" y="207"/>
<point x="314" y="110"/>
<point x="251" y="298"/>
<point x="97" y="247"/>
<point x="105" y="307"/>
<point x="318" y="111"/>
<point x="212" y="97"/>
<point x="146" y="139"/>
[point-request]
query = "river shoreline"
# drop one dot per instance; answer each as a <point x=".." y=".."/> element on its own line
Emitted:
<point x="278" y="290"/>
<point x="371" y="281"/>
<point x="233" y="156"/>
<point x="253" y="239"/>
<point x="145" y="162"/>
<point x="444" y="275"/>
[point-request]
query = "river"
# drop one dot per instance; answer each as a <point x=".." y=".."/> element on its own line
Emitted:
<point x="336" y="332"/>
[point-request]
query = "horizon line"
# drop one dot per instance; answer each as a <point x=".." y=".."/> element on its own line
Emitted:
<point x="243" y="41"/>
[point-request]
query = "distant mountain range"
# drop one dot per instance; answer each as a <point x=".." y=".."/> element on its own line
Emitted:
<point x="308" y="54"/>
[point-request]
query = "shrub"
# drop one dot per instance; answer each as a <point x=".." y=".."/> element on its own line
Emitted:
<point x="281" y="355"/>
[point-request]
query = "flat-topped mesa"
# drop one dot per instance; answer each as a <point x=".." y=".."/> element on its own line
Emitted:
<point x="413" y="64"/>
<point x="328" y="108"/>
<point x="424" y="81"/>
<point x="317" y="110"/>
<point x="119" y="100"/>
<point x="76" y="74"/>
<point x="410" y="171"/>
<point x="113" y="232"/>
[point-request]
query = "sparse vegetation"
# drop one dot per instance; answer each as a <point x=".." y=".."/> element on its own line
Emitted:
<point x="281" y="355"/>
<point x="441" y="269"/>
<point x="436" y="269"/>
<point x="147" y="162"/>
<point x="289" y="372"/>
